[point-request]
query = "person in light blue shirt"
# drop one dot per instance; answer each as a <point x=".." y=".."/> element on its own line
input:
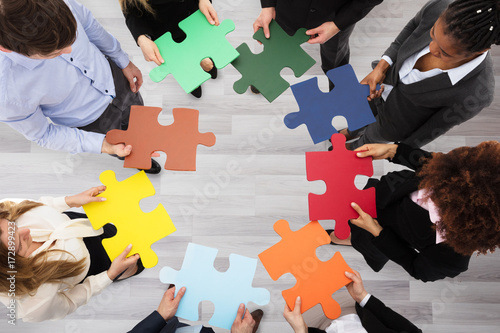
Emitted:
<point x="65" y="80"/>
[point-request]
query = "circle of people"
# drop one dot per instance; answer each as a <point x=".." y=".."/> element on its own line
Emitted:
<point x="436" y="74"/>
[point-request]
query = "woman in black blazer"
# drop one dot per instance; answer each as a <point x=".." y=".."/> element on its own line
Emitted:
<point x="148" y="20"/>
<point x="437" y="73"/>
<point x="431" y="220"/>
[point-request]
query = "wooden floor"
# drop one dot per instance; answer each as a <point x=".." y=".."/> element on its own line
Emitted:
<point x="235" y="212"/>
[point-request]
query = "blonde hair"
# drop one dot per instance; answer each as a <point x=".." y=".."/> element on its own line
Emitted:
<point x="138" y="4"/>
<point x="32" y="272"/>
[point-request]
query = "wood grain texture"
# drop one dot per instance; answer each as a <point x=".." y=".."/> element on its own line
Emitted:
<point x="252" y="177"/>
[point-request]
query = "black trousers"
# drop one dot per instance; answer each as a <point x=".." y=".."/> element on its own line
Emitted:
<point x="116" y="115"/>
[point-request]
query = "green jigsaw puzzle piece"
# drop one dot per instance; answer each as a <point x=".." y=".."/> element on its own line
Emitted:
<point x="263" y="70"/>
<point x="203" y="40"/>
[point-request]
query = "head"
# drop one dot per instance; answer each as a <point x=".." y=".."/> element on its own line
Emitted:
<point x="466" y="29"/>
<point x="32" y="271"/>
<point x="139" y="5"/>
<point x="36" y="29"/>
<point x="465" y="186"/>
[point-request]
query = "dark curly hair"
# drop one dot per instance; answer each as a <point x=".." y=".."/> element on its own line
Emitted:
<point x="475" y="24"/>
<point x="464" y="184"/>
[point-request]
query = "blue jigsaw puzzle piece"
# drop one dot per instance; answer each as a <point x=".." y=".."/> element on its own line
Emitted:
<point x="226" y="290"/>
<point x="317" y="109"/>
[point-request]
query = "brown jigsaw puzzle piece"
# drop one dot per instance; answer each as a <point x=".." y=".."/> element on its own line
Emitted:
<point x="178" y="140"/>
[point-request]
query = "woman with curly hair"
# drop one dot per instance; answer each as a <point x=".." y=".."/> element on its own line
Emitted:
<point x="436" y="74"/>
<point x="148" y="20"/>
<point x="53" y="262"/>
<point x="431" y="220"/>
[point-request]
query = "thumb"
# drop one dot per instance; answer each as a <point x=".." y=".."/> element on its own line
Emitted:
<point x="312" y="32"/>
<point x="125" y="252"/>
<point x="240" y="312"/>
<point x="357" y="208"/>
<point x="298" y="303"/>
<point x="267" y="33"/>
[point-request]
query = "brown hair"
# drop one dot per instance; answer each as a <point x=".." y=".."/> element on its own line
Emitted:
<point x="31" y="27"/>
<point x="136" y="4"/>
<point x="34" y="271"/>
<point x="464" y="184"/>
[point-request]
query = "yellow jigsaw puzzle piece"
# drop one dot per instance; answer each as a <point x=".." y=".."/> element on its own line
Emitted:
<point x="134" y="226"/>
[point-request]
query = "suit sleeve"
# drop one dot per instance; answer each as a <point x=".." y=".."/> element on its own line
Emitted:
<point x="154" y="323"/>
<point x="410" y="156"/>
<point x="377" y="317"/>
<point x="138" y="22"/>
<point x="432" y="263"/>
<point x="352" y="12"/>
<point x="268" y="3"/>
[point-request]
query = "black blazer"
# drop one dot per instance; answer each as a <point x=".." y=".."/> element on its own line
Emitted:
<point x="378" y="318"/>
<point x="295" y="14"/>
<point x="167" y="15"/>
<point x="417" y="113"/>
<point x="154" y="323"/>
<point x="408" y="237"/>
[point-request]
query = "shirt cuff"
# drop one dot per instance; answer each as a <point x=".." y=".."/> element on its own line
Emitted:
<point x="121" y="59"/>
<point x="93" y="142"/>
<point x="365" y="300"/>
<point x="58" y="203"/>
<point x="388" y="59"/>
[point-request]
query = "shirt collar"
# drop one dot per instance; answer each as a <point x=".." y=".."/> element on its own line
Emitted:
<point x="22" y="60"/>
<point x="458" y="73"/>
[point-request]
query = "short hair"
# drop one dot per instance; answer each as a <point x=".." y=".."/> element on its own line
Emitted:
<point x="474" y="24"/>
<point x="30" y="27"/>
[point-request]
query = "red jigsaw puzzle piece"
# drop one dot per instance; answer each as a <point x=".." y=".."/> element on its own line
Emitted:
<point x="178" y="140"/>
<point x="338" y="169"/>
<point x="316" y="280"/>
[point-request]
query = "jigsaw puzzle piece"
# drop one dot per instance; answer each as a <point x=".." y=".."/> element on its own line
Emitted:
<point x="203" y="40"/>
<point x="134" y="226"/>
<point x="338" y="169"/>
<point x="296" y="254"/>
<point x="317" y="109"/>
<point x="226" y="290"/>
<point x="331" y="274"/>
<point x="178" y="140"/>
<point x="263" y="70"/>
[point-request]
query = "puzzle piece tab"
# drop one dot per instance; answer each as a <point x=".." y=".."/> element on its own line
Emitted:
<point x="263" y="70"/>
<point x="178" y="140"/>
<point x="316" y="280"/>
<point x="203" y="40"/>
<point x="338" y="169"/>
<point x="317" y="109"/>
<point x="226" y="290"/>
<point x="134" y="226"/>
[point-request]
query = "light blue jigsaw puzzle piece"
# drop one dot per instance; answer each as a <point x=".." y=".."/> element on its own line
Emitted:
<point x="226" y="290"/>
<point x="317" y="109"/>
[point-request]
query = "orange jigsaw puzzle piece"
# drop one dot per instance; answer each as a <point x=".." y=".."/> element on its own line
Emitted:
<point x="316" y="280"/>
<point x="178" y="140"/>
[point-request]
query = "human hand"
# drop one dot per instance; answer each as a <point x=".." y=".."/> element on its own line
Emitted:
<point x="365" y="221"/>
<point x="208" y="10"/>
<point x="266" y="16"/>
<point x="356" y="288"/>
<point x="376" y="76"/>
<point x="85" y="197"/>
<point x="323" y="33"/>
<point x="121" y="263"/>
<point x="377" y="151"/>
<point x="243" y="324"/>
<point x="150" y="50"/>
<point x="169" y="304"/>
<point x="294" y="318"/>
<point x="134" y="76"/>
<point x="120" y="149"/>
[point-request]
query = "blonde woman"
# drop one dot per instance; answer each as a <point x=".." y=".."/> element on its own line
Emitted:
<point x="50" y="264"/>
<point x="149" y="19"/>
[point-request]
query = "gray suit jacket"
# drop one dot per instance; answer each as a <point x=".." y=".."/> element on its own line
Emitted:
<point x="418" y="113"/>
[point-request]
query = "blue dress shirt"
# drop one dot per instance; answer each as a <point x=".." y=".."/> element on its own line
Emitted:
<point x="72" y="89"/>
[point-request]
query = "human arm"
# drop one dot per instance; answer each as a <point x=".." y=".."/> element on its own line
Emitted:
<point x="356" y="288"/>
<point x="377" y="317"/>
<point x="209" y="11"/>
<point x="294" y="318"/>
<point x="376" y="76"/>
<point x="399" y="153"/>
<point x="265" y="17"/>
<point x="243" y="324"/>
<point x="85" y="197"/>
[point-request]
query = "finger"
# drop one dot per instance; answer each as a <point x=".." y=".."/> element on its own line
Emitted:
<point x="298" y="302"/>
<point x="248" y="318"/>
<point x="131" y="83"/>
<point x="158" y="55"/>
<point x="240" y="312"/>
<point x="156" y="59"/>
<point x="180" y="294"/>
<point x="312" y="32"/>
<point x="352" y="276"/>
<point x="357" y="208"/>
<point x="125" y="151"/>
<point x="215" y="18"/>
<point x="125" y="252"/>
<point x="256" y="26"/>
<point x="97" y="199"/>
<point x="208" y="15"/>
<point x="139" y="80"/>
<point x="155" y="155"/>
<point x="267" y="33"/>
<point x="316" y="40"/>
